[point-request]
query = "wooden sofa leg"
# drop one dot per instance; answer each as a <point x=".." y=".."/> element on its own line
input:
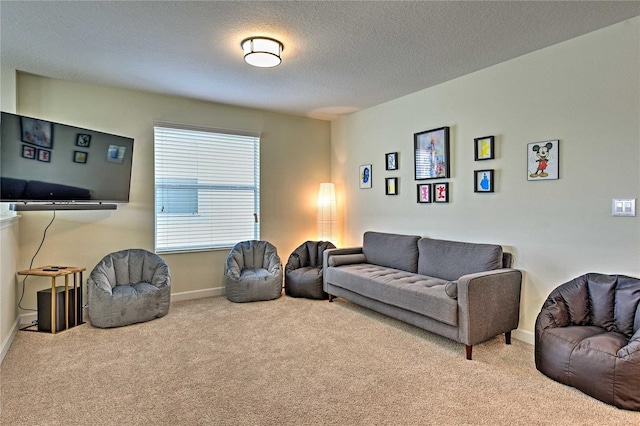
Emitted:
<point x="507" y="337"/>
<point x="468" y="349"/>
<point x="330" y="298"/>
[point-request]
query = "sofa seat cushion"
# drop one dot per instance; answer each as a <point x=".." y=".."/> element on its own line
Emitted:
<point x="413" y="292"/>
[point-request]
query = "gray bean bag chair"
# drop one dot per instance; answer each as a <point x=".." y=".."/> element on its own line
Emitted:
<point x="128" y="286"/>
<point x="587" y="336"/>
<point x="253" y="272"/>
<point x="303" y="272"/>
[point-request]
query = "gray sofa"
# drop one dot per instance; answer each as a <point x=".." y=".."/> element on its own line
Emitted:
<point x="463" y="291"/>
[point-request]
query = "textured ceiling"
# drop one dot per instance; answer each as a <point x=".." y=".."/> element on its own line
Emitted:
<point x="339" y="57"/>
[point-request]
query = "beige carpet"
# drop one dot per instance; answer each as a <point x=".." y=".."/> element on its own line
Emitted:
<point x="284" y="362"/>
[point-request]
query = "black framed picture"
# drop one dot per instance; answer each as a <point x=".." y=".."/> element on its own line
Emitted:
<point x="29" y="152"/>
<point x="391" y="186"/>
<point x="543" y="160"/>
<point x="483" y="180"/>
<point x="424" y="192"/>
<point x="431" y="153"/>
<point x="441" y="192"/>
<point x="483" y="148"/>
<point x="44" y="155"/>
<point x="391" y="161"/>
<point x="80" y="157"/>
<point x="36" y="132"/>
<point x="83" y="140"/>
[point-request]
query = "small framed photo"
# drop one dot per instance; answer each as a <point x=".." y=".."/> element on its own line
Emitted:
<point x="28" y="152"/>
<point x="441" y="192"/>
<point x="44" y="155"/>
<point x="365" y="176"/>
<point x="431" y="154"/>
<point x="391" y="187"/>
<point x="36" y="132"/>
<point x="115" y="154"/>
<point x="483" y="180"/>
<point x="483" y="148"/>
<point x="543" y="160"/>
<point x="83" y="140"/>
<point x="80" y="157"/>
<point x="391" y="160"/>
<point x="424" y="192"/>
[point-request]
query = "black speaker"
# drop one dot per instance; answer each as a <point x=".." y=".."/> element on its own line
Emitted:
<point x="44" y="308"/>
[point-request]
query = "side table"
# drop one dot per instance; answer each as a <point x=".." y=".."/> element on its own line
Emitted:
<point x="54" y="272"/>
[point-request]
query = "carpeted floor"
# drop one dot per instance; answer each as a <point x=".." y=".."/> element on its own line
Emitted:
<point x="283" y="362"/>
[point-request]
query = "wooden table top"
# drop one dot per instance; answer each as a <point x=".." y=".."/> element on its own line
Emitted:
<point x="58" y="272"/>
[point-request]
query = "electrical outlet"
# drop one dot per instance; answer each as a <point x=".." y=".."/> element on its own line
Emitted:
<point x="623" y="207"/>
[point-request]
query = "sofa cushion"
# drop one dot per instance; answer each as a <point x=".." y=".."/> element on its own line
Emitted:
<point x="391" y="250"/>
<point x="413" y="292"/>
<point x="449" y="260"/>
<point x="347" y="259"/>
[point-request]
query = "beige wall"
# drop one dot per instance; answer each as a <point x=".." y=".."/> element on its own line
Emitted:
<point x="295" y="158"/>
<point x="8" y="267"/>
<point x="584" y="92"/>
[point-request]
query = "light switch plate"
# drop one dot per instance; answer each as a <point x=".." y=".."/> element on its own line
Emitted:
<point x="623" y="207"/>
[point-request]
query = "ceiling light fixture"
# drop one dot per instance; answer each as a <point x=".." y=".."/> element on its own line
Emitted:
<point x="262" y="52"/>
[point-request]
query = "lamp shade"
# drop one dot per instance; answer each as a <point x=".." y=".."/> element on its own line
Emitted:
<point x="262" y="52"/>
<point x="327" y="217"/>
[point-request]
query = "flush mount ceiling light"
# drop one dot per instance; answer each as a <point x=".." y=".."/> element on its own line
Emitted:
<point x="262" y="52"/>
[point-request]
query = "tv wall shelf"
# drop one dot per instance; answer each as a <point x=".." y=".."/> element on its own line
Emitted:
<point x="60" y="206"/>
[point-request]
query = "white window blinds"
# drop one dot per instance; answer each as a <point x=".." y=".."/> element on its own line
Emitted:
<point x="207" y="188"/>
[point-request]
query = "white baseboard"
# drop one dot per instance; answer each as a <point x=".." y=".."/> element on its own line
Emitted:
<point x="523" y="336"/>
<point x="197" y="294"/>
<point x="8" y="340"/>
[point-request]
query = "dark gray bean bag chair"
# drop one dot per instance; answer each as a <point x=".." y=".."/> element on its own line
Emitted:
<point x="128" y="286"/>
<point x="587" y="336"/>
<point x="253" y="272"/>
<point x="303" y="272"/>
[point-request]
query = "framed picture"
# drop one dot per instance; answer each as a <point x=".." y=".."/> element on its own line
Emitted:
<point x="115" y="154"/>
<point x="365" y="176"/>
<point x="483" y="148"/>
<point x="441" y="192"/>
<point x="28" y="152"/>
<point x="36" y="132"/>
<point x="391" y="160"/>
<point x="431" y="152"/>
<point x="391" y="186"/>
<point x="543" y="160"/>
<point x="424" y="192"/>
<point x="83" y="140"/>
<point x="44" y="155"/>
<point x="483" y="180"/>
<point x="80" y="157"/>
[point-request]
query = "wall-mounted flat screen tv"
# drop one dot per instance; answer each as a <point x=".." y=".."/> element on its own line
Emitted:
<point x="43" y="161"/>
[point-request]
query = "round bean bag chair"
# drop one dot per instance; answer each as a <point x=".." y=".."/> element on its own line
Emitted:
<point x="303" y="272"/>
<point x="587" y="336"/>
<point x="253" y="272"/>
<point x="127" y="287"/>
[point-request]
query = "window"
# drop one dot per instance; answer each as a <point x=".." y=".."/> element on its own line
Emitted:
<point x="207" y="188"/>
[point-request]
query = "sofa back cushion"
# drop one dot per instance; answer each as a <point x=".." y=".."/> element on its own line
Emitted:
<point x="449" y="260"/>
<point x="391" y="250"/>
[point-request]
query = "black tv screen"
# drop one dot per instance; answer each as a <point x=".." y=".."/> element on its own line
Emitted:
<point x="43" y="161"/>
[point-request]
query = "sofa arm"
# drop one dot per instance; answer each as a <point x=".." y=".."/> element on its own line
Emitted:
<point x="488" y="304"/>
<point x="327" y="254"/>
